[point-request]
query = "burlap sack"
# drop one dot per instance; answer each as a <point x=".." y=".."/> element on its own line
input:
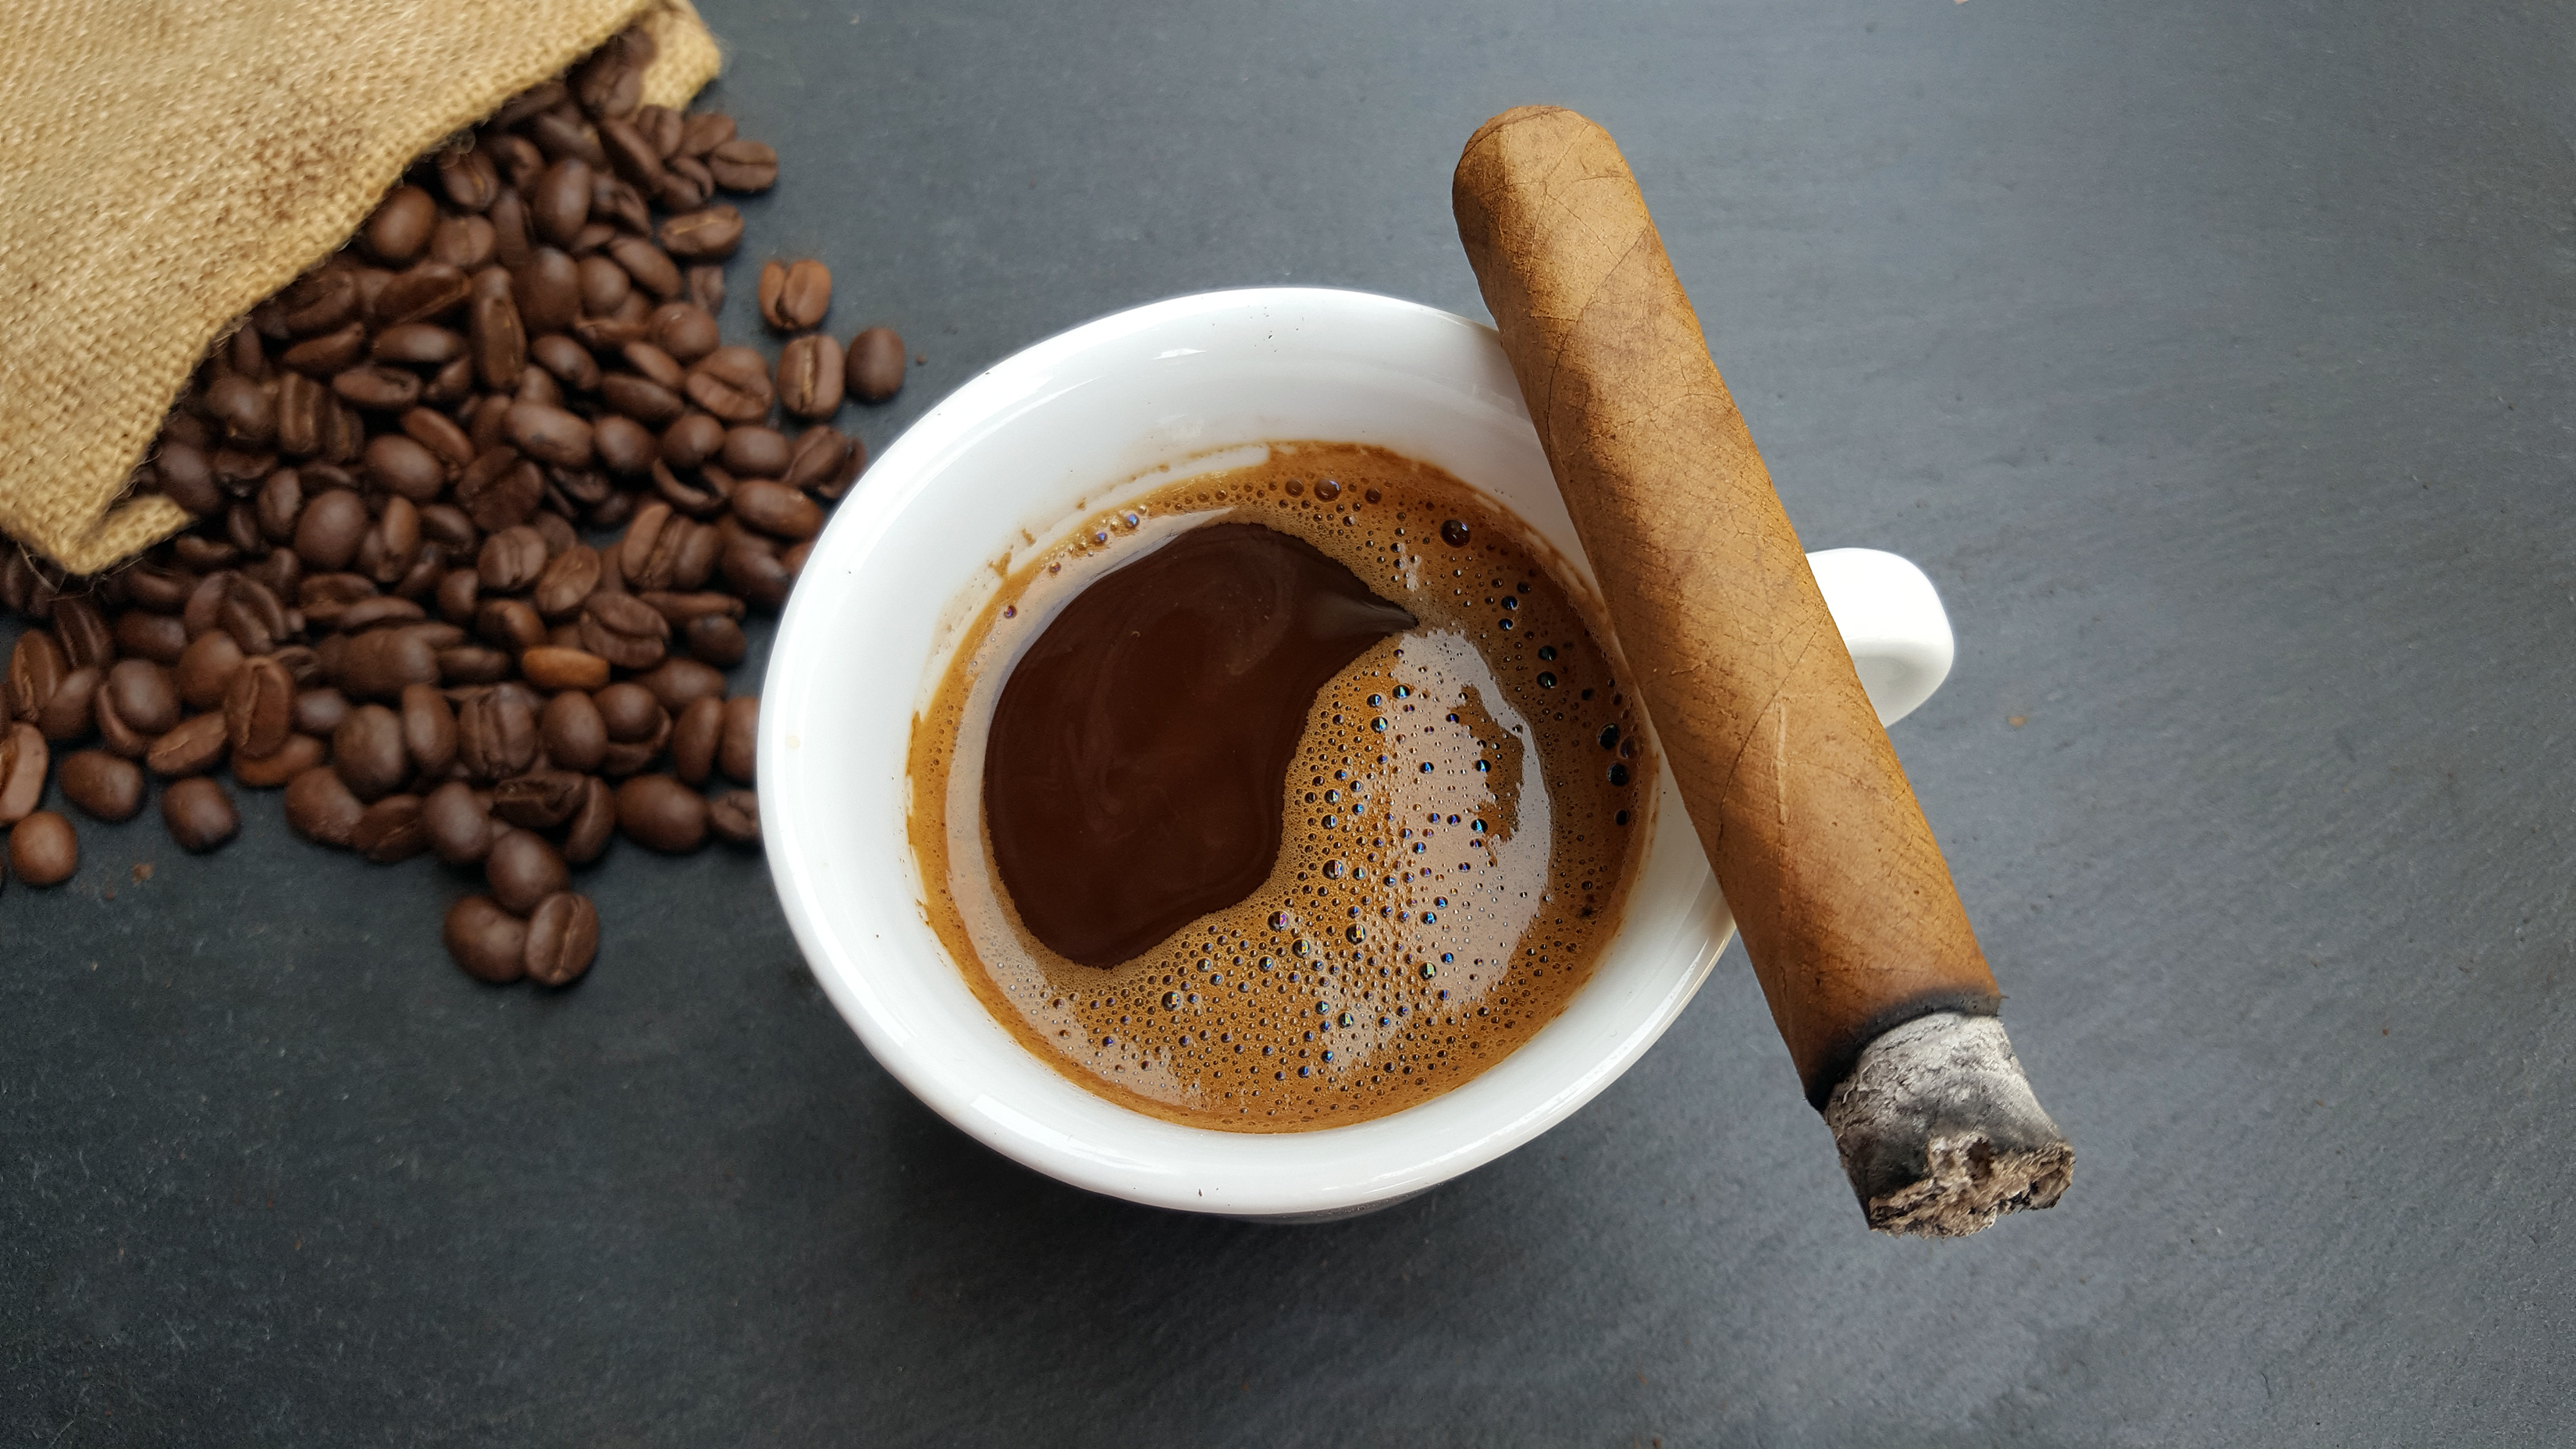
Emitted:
<point x="165" y="164"/>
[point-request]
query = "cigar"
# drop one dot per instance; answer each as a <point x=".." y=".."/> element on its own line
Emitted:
<point x="1846" y="907"/>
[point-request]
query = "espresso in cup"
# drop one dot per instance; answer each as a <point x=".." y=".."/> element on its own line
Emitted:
<point x="1284" y="796"/>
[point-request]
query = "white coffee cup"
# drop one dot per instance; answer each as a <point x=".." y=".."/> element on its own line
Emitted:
<point x="1013" y="459"/>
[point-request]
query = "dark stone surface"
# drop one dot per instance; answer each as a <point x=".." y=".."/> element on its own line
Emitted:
<point x="2215" y="361"/>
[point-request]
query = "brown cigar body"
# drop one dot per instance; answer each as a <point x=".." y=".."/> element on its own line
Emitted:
<point x="1836" y="882"/>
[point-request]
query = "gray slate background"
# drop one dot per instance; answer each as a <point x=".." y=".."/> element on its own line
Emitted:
<point x="2215" y="361"/>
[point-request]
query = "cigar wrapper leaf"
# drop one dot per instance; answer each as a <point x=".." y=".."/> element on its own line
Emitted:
<point x="1847" y="910"/>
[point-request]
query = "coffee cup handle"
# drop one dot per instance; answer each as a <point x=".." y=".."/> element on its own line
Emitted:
<point x="1892" y="621"/>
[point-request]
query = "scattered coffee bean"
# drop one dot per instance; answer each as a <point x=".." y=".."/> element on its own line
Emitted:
<point x="393" y="507"/>
<point x="390" y="830"/>
<point x="734" y="817"/>
<point x="320" y="808"/>
<point x="103" y="786"/>
<point x="522" y="870"/>
<point x="199" y="814"/>
<point x="563" y="936"/>
<point x="659" y="813"/>
<point x="876" y="364"/>
<point x="741" y="738"/>
<point x="43" y="850"/>
<point x="795" y="295"/>
<point x="489" y="942"/>
<point x="23" y="760"/>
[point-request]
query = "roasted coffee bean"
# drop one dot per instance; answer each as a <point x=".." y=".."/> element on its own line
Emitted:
<point x="200" y="816"/>
<point x="192" y="747"/>
<point x="377" y="611"/>
<point x="630" y="153"/>
<point x="259" y="708"/>
<point x="243" y="408"/>
<point x="876" y="364"/>
<point x="320" y="808"/>
<point x="458" y="826"/>
<point x="550" y="668"/>
<point x="810" y="376"/>
<point x="609" y="83"/>
<point x="496" y="734"/>
<point x="377" y="388"/>
<point x="377" y="664"/>
<point x="319" y="302"/>
<point x="563" y="937"/>
<point x="659" y="813"/>
<point x="735" y="753"/>
<point x="302" y="406"/>
<point x="548" y="290"/>
<point x="511" y="231"/>
<point x="559" y="136"/>
<point x="703" y="236"/>
<point x="472" y="664"/>
<point x="319" y="711"/>
<point x="299" y="754"/>
<point x="205" y="671"/>
<point x="522" y="868"/>
<point x="87" y="640"/>
<point x="328" y="532"/>
<point x="101" y="785"/>
<point x="399" y="528"/>
<point x="686" y="330"/>
<point x="694" y="736"/>
<point x="469" y="178"/>
<point x="654" y="365"/>
<point x="404" y="468"/>
<point x="428" y="729"/>
<point x="715" y="639"/>
<point x="651" y="268"/>
<point x="623" y="446"/>
<point x="400" y="226"/>
<point x="684" y="609"/>
<point x="43" y="850"/>
<point x="734" y="816"/>
<point x="498" y="491"/>
<point x="488" y="942"/>
<point x="390" y="830"/>
<point x="145" y="695"/>
<point x="424" y="293"/>
<point x="36" y="669"/>
<point x="367" y="751"/>
<point x="252" y="615"/>
<point x="320" y="357"/>
<point x="540" y="799"/>
<point x="69" y="715"/>
<point x="694" y="560"/>
<point x="279" y="501"/>
<point x="607" y="334"/>
<point x="560" y="206"/>
<point x="512" y="560"/>
<point x="186" y="477"/>
<point x="776" y="509"/>
<point x="623" y="630"/>
<point x="741" y="165"/>
<point x="628" y="712"/>
<point x="509" y="624"/>
<point x="417" y="344"/>
<point x="23" y="760"/>
<point x="538" y="386"/>
<point x="467" y="243"/>
<point x="757" y="452"/>
<point x="692" y="440"/>
<point x="572" y="731"/>
<point x="732" y="383"/>
<point x="604" y="286"/>
<point x="705" y="131"/>
<point x="592" y="826"/>
<point x="678" y="681"/>
<point x="549" y="434"/>
<point x="752" y="569"/>
<point x="645" y="401"/>
<point x="661" y="127"/>
<point x="573" y="576"/>
<point x="567" y="361"/>
<point x="152" y="586"/>
<point x="794" y="296"/>
<point x="498" y="329"/>
<point x="680" y="190"/>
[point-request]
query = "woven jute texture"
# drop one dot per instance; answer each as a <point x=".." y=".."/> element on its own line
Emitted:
<point x="165" y="164"/>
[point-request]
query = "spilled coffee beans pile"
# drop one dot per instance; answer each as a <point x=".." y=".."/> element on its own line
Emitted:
<point x="481" y="503"/>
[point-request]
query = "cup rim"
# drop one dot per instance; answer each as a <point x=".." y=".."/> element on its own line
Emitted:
<point x="1697" y="931"/>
